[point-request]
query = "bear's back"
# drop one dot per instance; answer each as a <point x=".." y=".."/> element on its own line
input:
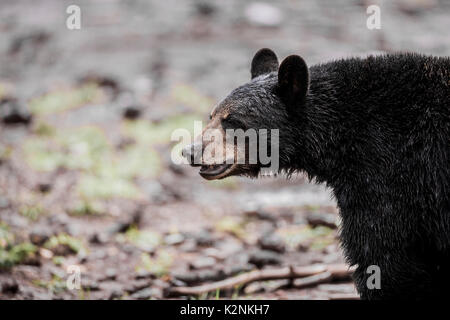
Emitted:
<point x="394" y="115"/>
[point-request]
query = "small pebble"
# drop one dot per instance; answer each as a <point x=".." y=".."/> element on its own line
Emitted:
<point x="174" y="239"/>
<point x="147" y="293"/>
<point x="202" y="263"/>
<point x="261" y="258"/>
<point x="272" y="242"/>
<point x="9" y="286"/>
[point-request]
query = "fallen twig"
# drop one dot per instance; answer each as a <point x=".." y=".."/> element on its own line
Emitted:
<point x="344" y="296"/>
<point x="312" y="280"/>
<point x="312" y="275"/>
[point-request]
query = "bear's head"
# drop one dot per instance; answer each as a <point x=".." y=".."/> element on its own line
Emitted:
<point x="229" y="144"/>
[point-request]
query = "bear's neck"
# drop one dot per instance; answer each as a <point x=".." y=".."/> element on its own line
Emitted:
<point x="325" y="144"/>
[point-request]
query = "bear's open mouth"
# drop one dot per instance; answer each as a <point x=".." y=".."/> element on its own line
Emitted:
<point x="213" y="171"/>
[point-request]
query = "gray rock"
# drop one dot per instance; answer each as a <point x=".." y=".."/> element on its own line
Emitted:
<point x="147" y="293"/>
<point x="259" y="214"/>
<point x="272" y="242"/>
<point x="416" y="7"/>
<point x="108" y="83"/>
<point x="204" y="238"/>
<point x="202" y="263"/>
<point x="156" y="192"/>
<point x="62" y="250"/>
<point x="174" y="239"/>
<point x="236" y="269"/>
<point x="137" y="285"/>
<point x="13" y="112"/>
<point x="115" y="294"/>
<point x="132" y="112"/>
<point x="4" y="202"/>
<point x="99" y="238"/>
<point x="204" y="8"/>
<point x="110" y="274"/>
<point x="44" y="187"/>
<point x="190" y="245"/>
<point x="89" y="284"/>
<point x="158" y="283"/>
<point x="123" y="226"/>
<point x="260" y="258"/>
<point x="201" y="276"/>
<point x="39" y="235"/>
<point x="9" y="286"/>
<point x="321" y="219"/>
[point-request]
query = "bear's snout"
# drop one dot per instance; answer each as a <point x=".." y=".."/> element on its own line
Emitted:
<point x="193" y="154"/>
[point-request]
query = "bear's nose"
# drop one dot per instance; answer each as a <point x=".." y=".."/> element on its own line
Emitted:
<point x="193" y="154"/>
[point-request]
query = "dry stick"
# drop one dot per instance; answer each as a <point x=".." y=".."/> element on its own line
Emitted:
<point x="313" y="280"/>
<point x="344" y="296"/>
<point x="322" y="272"/>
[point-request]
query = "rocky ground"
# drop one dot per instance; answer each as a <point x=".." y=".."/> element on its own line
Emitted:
<point x="86" y="177"/>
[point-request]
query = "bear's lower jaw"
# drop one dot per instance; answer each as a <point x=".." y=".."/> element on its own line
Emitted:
<point x="217" y="171"/>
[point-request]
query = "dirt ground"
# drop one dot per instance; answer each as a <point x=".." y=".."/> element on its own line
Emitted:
<point x="86" y="178"/>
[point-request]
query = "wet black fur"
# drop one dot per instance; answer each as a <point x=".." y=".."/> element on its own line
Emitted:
<point x="377" y="132"/>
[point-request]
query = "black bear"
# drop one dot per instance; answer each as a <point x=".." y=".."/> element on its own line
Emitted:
<point x="376" y="130"/>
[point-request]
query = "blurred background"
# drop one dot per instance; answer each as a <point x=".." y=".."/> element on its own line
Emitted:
<point x="86" y="177"/>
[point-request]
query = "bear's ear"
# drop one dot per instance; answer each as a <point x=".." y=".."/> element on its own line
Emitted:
<point x="264" y="61"/>
<point x="293" y="80"/>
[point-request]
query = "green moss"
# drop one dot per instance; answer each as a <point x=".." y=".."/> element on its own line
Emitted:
<point x="86" y="207"/>
<point x="41" y="156"/>
<point x="64" y="99"/>
<point x="231" y="225"/>
<point x="86" y="148"/>
<point x="5" y="153"/>
<point x="2" y="90"/>
<point x="58" y="260"/>
<point x="311" y="208"/>
<point x="62" y="239"/>
<point x="149" y="133"/>
<point x="144" y="239"/>
<point x="81" y="148"/>
<point x="44" y="129"/>
<point x="321" y="243"/>
<point x="55" y="285"/>
<point x="6" y="236"/>
<point x="316" y="238"/>
<point x="32" y="212"/>
<point x="132" y="162"/>
<point x="15" y="254"/>
<point x="158" y="265"/>
<point x="91" y="187"/>
<point x="107" y="173"/>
